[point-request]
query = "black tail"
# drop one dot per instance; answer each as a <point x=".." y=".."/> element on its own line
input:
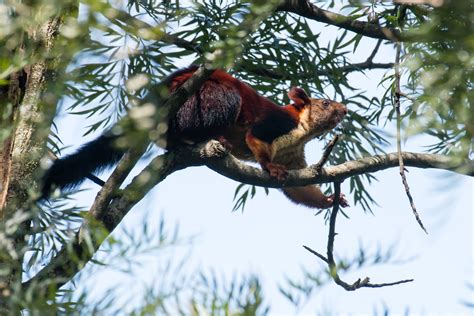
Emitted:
<point x="70" y="171"/>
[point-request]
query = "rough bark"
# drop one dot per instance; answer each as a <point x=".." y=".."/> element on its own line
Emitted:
<point x="22" y="149"/>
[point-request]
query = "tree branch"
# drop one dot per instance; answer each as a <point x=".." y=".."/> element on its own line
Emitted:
<point x="157" y="34"/>
<point x="232" y="168"/>
<point x="212" y="154"/>
<point x="317" y="254"/>
<point x="80" y="250"/>
<point x="366" y="65"/>
<point x="311" y="11"/>
<point x="327" y="151"/>
<point x="330" y="252"/>
<point x="396" y="105"/>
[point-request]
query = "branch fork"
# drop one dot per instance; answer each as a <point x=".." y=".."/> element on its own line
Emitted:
<point x="331" y="263"/>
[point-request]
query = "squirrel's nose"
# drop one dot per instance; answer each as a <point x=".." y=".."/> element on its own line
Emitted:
<point x="344" y="109"/>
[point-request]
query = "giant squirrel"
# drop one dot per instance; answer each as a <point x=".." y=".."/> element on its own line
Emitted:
<point x="251" y="126"/>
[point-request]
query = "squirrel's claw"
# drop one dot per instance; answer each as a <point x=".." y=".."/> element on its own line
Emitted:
<point x="277" y="171"/>
<point x="342" y="200"/>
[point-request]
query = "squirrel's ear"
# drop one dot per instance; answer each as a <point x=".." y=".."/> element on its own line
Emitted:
<point x="299" y="96"/>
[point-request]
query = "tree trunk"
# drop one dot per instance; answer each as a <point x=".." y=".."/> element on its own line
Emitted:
<point x="23" y="120"/>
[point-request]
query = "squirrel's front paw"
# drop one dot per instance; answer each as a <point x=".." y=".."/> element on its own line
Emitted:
<point x="342" y="200"/>
<point x="214" y="149"/>
<point x="277" y="171"/>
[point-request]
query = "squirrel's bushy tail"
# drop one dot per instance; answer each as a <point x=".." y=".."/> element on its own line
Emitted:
<point x="70" y="171"/>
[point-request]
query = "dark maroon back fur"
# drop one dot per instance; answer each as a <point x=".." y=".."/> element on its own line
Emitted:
<point x="206" y="114"/>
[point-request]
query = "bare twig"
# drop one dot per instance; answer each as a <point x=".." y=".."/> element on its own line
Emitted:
<point x="374" y="52"/>
<point x="332" y="227"/>
<point x="96" y="179"/>
<point x="317" y="254"/>
<point x="327" y="152"/>
<point x="399" y="145"/>
<point x="331" y="72"/>
<point x="387" y="284"/>
<point x="330" y="253"/>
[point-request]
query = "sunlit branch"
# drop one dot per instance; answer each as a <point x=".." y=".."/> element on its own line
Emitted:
<point x="232" y="168"/>
<point x="308" y="10"/>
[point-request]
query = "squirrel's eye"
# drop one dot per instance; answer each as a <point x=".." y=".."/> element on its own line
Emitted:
<point x="326" y="103"/>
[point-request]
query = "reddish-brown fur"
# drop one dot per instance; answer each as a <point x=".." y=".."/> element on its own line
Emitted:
<point x="256" y="128"/>
<point x="253" y="106"/>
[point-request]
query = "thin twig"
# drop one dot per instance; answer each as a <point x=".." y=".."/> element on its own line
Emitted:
<point x="332" y="227"/>
<point x="321" y="72"/>
<point x="326" y="153"/>
<point x="95" y="179"/>
<point x="399" y="145"/>
<point x="406" y="96"/>
<point x="317" y="254"/>
<point x="388" y="284"/>
<point x="330" y="253"/>
<point x="374" y="52"/>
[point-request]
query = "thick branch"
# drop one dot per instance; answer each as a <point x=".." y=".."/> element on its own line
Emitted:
<point x="311" y="11"/>
<point x="232" y="168"/>
<point x="214" y="155"/>
<point x="62" y="268"/>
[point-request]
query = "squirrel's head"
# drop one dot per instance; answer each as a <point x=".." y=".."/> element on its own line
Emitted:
<point x="317" y="115"/>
